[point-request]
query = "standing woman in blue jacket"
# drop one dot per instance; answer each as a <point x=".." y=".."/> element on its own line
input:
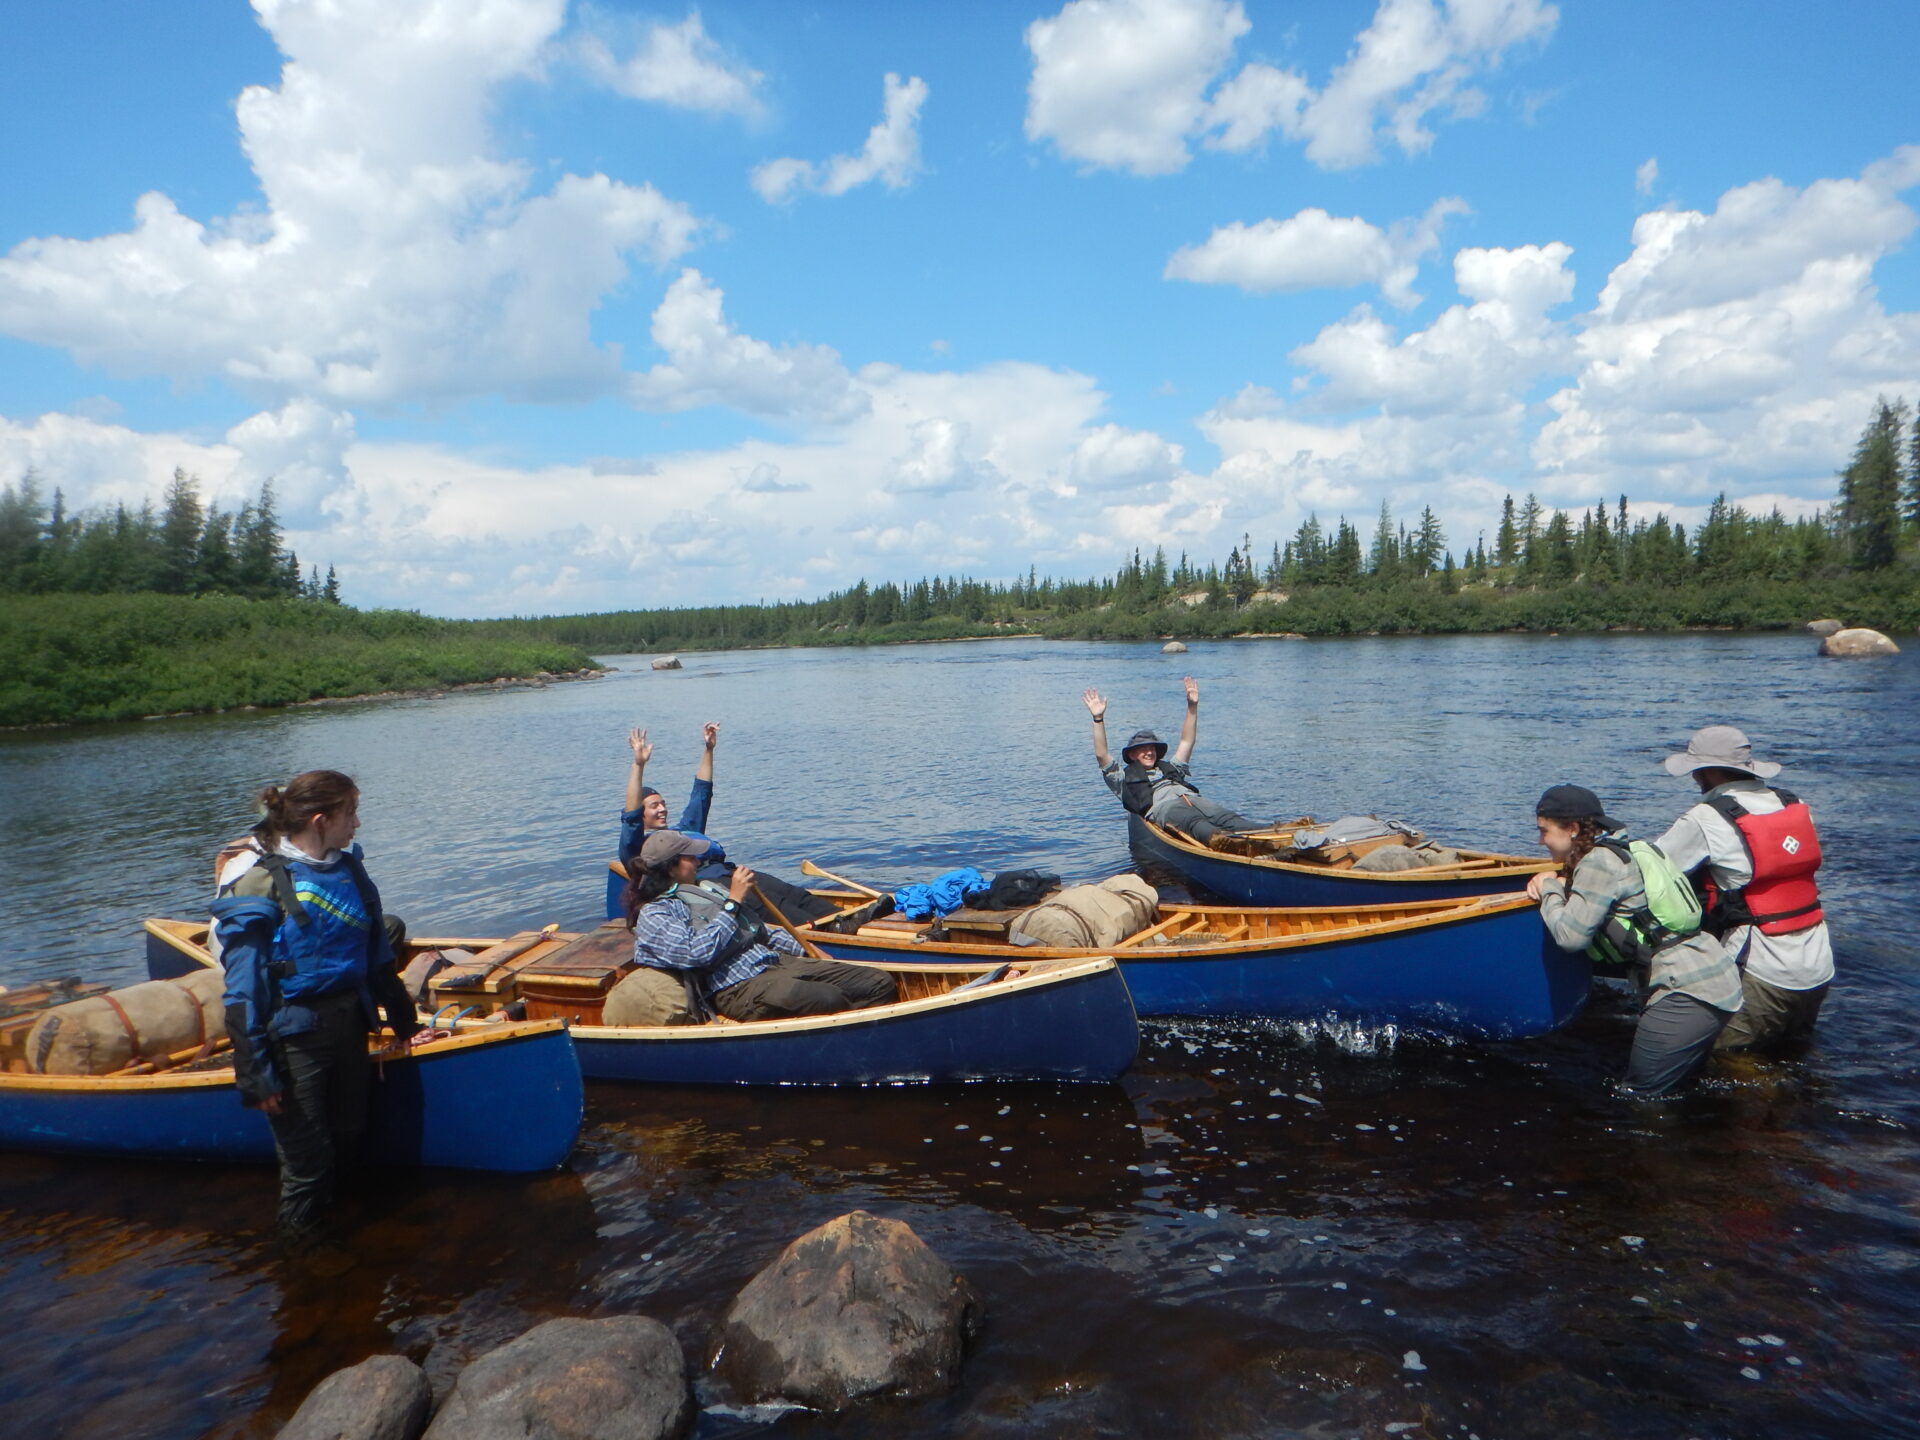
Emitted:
<point x="308" y="955"/>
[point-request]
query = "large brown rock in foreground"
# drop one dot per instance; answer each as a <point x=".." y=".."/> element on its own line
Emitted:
<point x="857" y="1308"/>
<point x="622" y="1378"/>
<point x="383" y="1398"/>
<point x="1850" y="643"/>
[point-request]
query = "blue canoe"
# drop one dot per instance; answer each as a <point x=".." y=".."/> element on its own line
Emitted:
<point x="1057" y="1021"/>
<point x="504" y="1097"/>
<point x="507" y="1098"/>
<point x="1268" y="880"/>
<point x="1481" y="967"/>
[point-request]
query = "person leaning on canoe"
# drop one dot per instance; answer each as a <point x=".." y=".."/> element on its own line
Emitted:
<point x="1150" y="783"/>
<point x="739" y="966"/>
<point x="645" y="813"/>
<point x="308" y="954"/>
<point x="1602" y="900"/>
<point x="1760" y="852"/>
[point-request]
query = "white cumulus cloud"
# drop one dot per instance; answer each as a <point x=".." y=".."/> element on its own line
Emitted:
<point x="394" y="258"/>
<point x="891" y="154"/>
<point x="677" y="65"/>
<point x="1315" y="250"/>
<point x="1133" y="84"/>
<point x="710" y="363"/>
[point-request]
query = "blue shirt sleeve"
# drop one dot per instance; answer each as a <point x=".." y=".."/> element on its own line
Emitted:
<point x="699" y="802"/>
<point x="632" y="835"/>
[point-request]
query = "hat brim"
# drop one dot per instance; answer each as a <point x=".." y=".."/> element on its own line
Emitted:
<point x="1685" y="764"/>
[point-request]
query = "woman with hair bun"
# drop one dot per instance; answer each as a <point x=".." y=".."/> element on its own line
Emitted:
<point x="1599" y="902"/>
<point x="308" y="955"/>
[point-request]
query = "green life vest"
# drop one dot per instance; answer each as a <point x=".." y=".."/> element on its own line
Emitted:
<point x="1668" y="913"/>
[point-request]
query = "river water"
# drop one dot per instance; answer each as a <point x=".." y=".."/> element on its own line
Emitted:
<point x="1263" y="1231"/>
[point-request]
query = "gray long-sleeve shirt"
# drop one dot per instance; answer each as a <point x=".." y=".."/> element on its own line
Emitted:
<point x="1605" y="881"/>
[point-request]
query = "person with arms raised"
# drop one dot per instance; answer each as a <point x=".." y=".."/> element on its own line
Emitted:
<point x="1152" y="784"/>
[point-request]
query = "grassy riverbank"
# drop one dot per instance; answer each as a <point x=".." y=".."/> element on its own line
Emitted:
<point x="117" y="657"/>
<point x="1888" y="600"/>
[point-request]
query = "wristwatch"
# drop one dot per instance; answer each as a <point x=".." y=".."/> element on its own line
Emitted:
<point x="730" y="907"/>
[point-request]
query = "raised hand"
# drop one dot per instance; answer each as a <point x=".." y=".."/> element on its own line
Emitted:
<point x="740" y="883"/>
<point x="641" y="746"/>
<point x="1192" y="687"/>
<point x="711" y="730"/>
<point x="1096" y="706"/>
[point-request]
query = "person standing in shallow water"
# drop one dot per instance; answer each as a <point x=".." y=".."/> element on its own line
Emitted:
<point x="309" y="955"/>
<point x="1688" y="985"/>
<point x="1152" y="784"/>
<point x="1760" y="851"/>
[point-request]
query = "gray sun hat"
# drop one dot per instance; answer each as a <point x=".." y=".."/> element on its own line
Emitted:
<point x="1146" y="737"/>
<point x="1720" y="747"/>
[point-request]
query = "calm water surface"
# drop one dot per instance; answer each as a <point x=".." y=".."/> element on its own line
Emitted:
<point x="1264" y="1231"/>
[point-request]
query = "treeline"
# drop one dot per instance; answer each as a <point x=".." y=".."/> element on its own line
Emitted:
<point x="117" y="657"/>
<point x="182" y="547"/>
<point x="1532" y="568"/>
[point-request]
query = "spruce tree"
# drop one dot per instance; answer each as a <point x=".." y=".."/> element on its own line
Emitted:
<point x="1506" y="545"/>
<point x="181" y="522"/>
<point x="1870" y="492"/>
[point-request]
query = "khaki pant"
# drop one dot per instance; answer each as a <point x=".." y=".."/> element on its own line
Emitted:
<point x="1771" y="1017"/>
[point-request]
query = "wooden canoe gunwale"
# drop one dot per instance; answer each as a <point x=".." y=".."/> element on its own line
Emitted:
<point x="1366" y="922"/>
<point x="1483" y="864"/>
<point x="452" y="1043"/>
<point x="1057" y="971"/>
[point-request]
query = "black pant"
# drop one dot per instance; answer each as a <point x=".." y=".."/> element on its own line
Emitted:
<point x="323" y="1109"/>
<point x="798" y="986"/>
<point x="1203" y="818"/>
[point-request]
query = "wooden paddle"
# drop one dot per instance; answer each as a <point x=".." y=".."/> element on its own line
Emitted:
<point x="813" y="950"/>
<point x="807" y="867"/>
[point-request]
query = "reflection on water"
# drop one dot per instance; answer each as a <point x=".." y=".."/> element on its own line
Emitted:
<point x="1265" y="1230"/>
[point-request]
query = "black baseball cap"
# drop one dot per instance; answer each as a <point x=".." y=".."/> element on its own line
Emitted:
<point x="1573" y="802"/>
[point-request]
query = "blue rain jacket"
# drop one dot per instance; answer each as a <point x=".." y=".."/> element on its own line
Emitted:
<point x="941" y="897"/>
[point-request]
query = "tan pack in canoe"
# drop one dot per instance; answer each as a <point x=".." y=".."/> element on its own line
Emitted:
<point x="1091" y="916"/>
<point x="150" y="1021"/>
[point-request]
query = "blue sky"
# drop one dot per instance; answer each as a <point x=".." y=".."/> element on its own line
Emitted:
<point x="529" y="306"/>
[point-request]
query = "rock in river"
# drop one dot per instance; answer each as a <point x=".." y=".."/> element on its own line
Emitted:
<point x="668" y="662"/>
<point x="1173" y="647"/>
<point x="622" y="1378"/>
<point x="1824" y="628"/>
<point x="1849" y="643"/>
<point x="859" y="1307"/>
<point x="383" y="1398"/>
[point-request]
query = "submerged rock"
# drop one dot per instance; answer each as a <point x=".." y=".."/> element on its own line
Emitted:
<point x="1173" y="647"/>
<point x="857" y="1308"/>
<point x="383" y="1398"/>
<point x="669" y="662"/>
<point x="622" y="1378"/>
<point x="1850" y="643"/>
<point x="1824" y="628"/>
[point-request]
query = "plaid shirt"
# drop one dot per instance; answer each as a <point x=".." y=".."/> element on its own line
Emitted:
<point x="664" y="938"/>
<point x="1603" y="881"/>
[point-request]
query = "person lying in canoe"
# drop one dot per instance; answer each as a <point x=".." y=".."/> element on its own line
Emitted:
<point x="740" y="967"/>
<point x="1626" y="903"/>
<point x="1150" y="783"/>
<point x="645" y="813"/>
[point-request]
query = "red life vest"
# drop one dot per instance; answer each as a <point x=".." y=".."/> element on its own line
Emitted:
<point x="1783" y="850"/>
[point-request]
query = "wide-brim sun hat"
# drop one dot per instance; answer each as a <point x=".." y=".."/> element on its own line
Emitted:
<point x="1720" y="747"/>
<point x="1573" y="802"/>
<point x="1146" y="737"/>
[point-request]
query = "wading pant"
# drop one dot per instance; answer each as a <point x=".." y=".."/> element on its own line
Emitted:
<point x="1771" y="1018"/>
<point x="323" y="1111"/>
<point x="1673" y="1039"/>
<point x="798" y="986"/>
<point x="1203" y="818"/>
